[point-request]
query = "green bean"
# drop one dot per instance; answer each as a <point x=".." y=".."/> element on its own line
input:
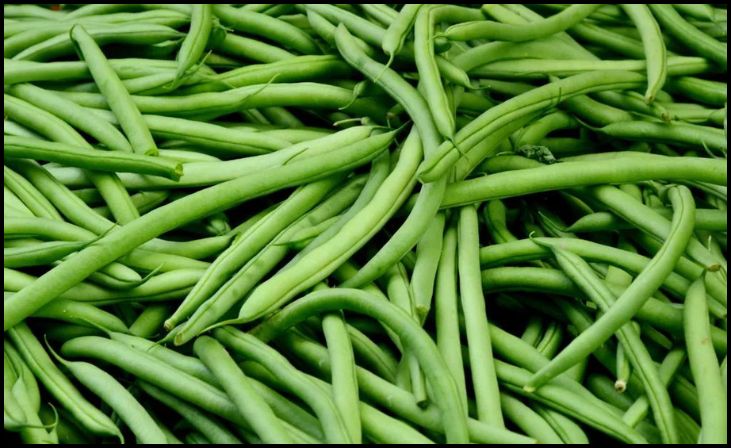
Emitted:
<point x="689" y="35"/>
<point x="403" y="92"/>
<point x="73" y="114"/>
<point x="532" y="331"/>
<point x="21" y="391"/>
<point x="61" y="332"/>
<point x="412" y="229"/>
<point x="704" y="365"/>
<point x="526" y="250"/>
<point x="567" y="402"/>
<point x="247" y="345"/>
<point x="188" y="364"/>
<point x="11" y="407"/>
<point x="210" y="173"/>
<point x="119" y="398"/>
<point x="81" y="313"/>
<point x="694" y="113"/>
<point x="549" y="343"/>
<point x="241" y="391"/>
<point x="514" y="33"/>
<point x="209" y="426"/>
<point x="390" y="396"/>
<point x="518" y="14"/>
<point x="58" y="130"/>
<point x="194" y="44"/>
<point x="248" y="244"/>
<point x="32" y="430"/>
<point x="581" y="274"/>
<point x="282" y="117"/>
<point x="116" y="95"/>
<point x="150" y="320"/>
<point x="705" y="91"/>
<point x="705" y="219"/>
<point x="446" y="303"/>
<point x="398" y="30"/>
<point x="654" y="47"/>
<point x="533" y="68"/>
<point x="300" y="68"/>
<point x="638" y="411"/>
<point x="493" y="144"/>
<point x="344" y="382"/>
<point x="567" y="429"/>
<point x="13" y="207"/>
<point x="160" y="374"/>
<point x="13" y="128"/>
<point x="96" y="9"/>
<point x="183" y="210"/>
<point x="246" y="278"/>
<point x="27" y="71"/>
<point x="140" y="258"/>
<point x="723" y="373"/>
<point x="364" y="29"/>
<point x="676" y="132"/>
<point x="323" y="260"/>
<point x="34" y="11"/>
<point x="144" y="201"/>
<point x="168" y="285"/>
<point x="195" y="437"/>
<point x="215" y="104"/>
<point x="30" y="197"/>
<point x="697" y="11"/>
<point x="430" y="81"/>
<point x="356" y="300"/>
<point x="255" y="50"/>
<point x="540" y="128"/>
<point x="629" y="302"/>
<point x="619" y="279"/>
<point x="25" y="148"/>
<point x="634" y="102"/>
<point x="646" y="219"/>
<point x="625" y="168"/>
<point x="132" y="33"/>
<point x="428" y="252"/>
<point x="400" y="295"/>
<point x="437" y="164"/>
<point x="551" y="281"/>
<point x="595" y="112"/>
<point x="380" y="12"/>
<point x="326" y="30"/>
<point x="32" y="36"/>
<point x="528" y="420"/>
<point x="378" y="427"/>
<point x="545" y="48"/>
<point x="183" y="9"/>
<point x="483" y="376"/>
<point x="496" y="220"/>
<point x="194" y="367"/>
<point x="58" y="385"/>
<point x="267" y="27"/>
<point x="608" y="39"/>
<point x="304" y="237"/>
<point x="30" y="32"/>
<point x="219" y="138"/>
<point x="370" y="353"/>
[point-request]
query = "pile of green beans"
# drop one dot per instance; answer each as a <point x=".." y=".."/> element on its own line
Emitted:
<point x="365" y="223"/>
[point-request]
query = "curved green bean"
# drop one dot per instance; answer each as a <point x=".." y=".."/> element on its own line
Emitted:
<point x="704" y="366"/>
<point x="629" y="302"/>
<point x="355" y="300"/>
